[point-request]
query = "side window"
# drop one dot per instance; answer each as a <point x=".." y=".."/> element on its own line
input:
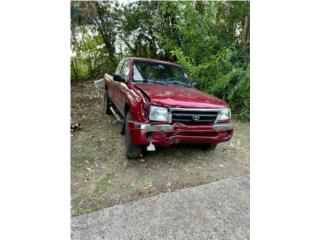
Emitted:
<point x="125" y="70"/>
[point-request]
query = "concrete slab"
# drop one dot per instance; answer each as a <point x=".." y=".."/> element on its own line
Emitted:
<point x="218" y="210"/>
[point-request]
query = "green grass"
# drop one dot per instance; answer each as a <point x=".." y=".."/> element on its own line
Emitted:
<point x="103" y="184"/>
<point x="95" y="208"/>
<point x="141" y="177"/>
<point x="76" y="200"/>
<point x="128" y="165"/>
<point x="82" y="160"/>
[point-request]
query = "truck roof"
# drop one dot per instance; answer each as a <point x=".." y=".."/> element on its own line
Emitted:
<point x="153" y="60"/>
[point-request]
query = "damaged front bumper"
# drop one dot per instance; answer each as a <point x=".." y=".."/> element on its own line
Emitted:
<point x="167" y="134"/>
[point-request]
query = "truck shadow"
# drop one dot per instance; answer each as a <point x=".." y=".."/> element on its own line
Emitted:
<point x="174" y="154"/>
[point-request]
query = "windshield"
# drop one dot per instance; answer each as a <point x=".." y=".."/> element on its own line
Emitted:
<point x="159" y="73"/>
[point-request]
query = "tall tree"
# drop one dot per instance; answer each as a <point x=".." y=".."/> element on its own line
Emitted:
<point x="210" y="38"/>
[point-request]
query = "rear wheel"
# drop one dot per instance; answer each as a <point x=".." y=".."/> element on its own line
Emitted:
<point x="106" y="103"/>
<point x="132" y="150"/>
<point x="209" y="146"/>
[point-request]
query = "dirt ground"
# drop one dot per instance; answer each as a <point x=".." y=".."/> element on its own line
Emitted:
<point x="101" y="176"/>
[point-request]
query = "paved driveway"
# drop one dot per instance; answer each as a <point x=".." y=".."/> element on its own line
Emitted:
<point x="218" y="210"/>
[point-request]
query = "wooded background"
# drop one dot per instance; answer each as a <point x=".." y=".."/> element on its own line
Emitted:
<point x="210" y="39"/>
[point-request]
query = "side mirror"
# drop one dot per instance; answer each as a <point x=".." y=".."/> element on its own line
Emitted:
<point x="194" y="84"/>
<point x="118" y="78"/>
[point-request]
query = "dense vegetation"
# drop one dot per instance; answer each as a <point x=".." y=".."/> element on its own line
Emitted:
<point x="210" y="39"/>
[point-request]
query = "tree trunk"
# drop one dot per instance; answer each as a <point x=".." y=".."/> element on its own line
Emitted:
<point x="106" y="36"/>
<point x="246" y="30"/>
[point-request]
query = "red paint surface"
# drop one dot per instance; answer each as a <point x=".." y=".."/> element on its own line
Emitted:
<point x="177" y="96"/>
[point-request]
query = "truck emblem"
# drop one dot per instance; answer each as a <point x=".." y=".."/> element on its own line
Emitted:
<point x="195" y="117"/>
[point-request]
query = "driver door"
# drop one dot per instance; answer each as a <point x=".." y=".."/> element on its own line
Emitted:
<point x="120" y="89"/>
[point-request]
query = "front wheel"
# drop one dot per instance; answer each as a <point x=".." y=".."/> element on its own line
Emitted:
<point x="132" y="150"/>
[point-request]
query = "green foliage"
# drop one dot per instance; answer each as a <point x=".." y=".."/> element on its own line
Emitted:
<point x="210" y="39"/>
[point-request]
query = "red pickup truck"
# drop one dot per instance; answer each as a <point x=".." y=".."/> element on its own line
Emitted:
<point x="158" y="105"/>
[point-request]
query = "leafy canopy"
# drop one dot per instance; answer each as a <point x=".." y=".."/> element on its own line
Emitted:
<point x="211" y="39"/>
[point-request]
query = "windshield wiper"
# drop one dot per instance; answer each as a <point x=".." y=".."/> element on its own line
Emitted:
<point x="158" y="82"/>
<point x="180" y="83"/>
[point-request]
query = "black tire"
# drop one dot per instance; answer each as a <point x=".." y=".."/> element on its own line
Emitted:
<point x="209" y="146"/>
<point x="106" y="103"/>
<point x="123" y="128"/>
<point x="132" y="150"/>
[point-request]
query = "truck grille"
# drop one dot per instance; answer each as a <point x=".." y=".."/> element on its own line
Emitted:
<point x="194" y="115"/>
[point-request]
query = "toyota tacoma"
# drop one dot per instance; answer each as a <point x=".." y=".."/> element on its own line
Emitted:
<point x="158" y="105"/>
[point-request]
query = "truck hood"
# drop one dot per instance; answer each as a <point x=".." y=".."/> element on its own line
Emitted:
<point x="177" y="96"/>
